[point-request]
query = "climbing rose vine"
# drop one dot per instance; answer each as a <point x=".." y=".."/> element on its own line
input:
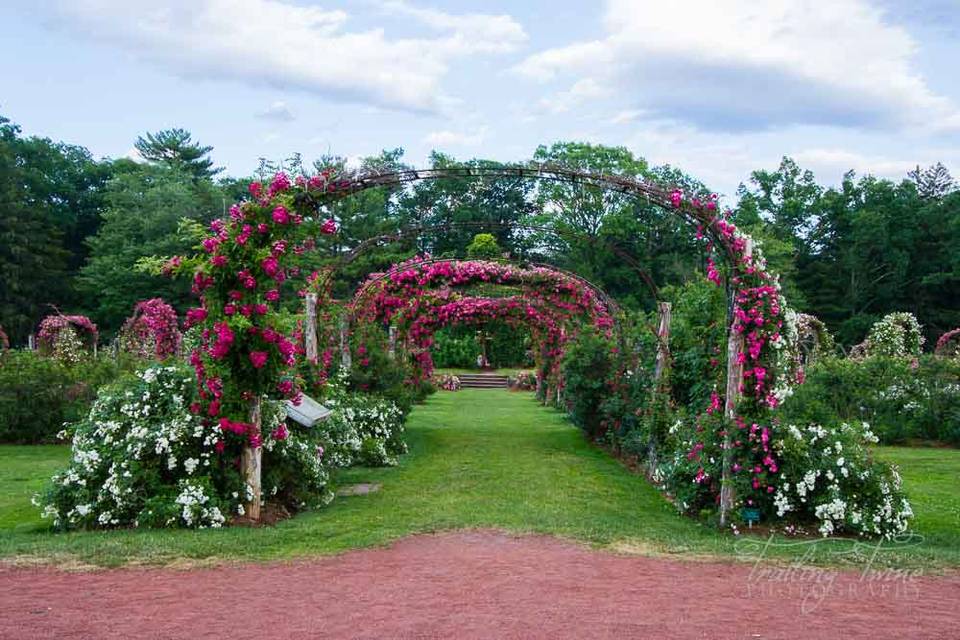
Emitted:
<point x="420" y="296"/>
<point x="152" y="331"/>
<point x="66" y="337"/>
<point x="244" y="351"/>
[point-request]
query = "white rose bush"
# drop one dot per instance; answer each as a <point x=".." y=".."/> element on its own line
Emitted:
<point x="829" y="477"/>
<point x="142" y="458"/>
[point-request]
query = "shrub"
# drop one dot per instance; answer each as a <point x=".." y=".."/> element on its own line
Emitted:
<point x="902" y="399"/>
<point x="152" y="331"/>
<point x="65" y="338"/>
<point x="141" y="458"/>
<point x="447" y="382"/>
<point x="361" y="430"/>
<point x="896" y="335"/>
<point x="454" y="349"/>
<point x="38" y="394"/>
<point x="586" y="365"/>
<point x="374" y="371"/>
<point x="523" y="381"/>
<point x="829" y="477"/>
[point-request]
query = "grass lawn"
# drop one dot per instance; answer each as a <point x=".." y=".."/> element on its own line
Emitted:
<point x="478" y="458"/>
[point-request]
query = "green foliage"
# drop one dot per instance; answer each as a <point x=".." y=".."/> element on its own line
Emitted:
<point x="455" y="347"/>
<point x="143" y="218"/>
<point x="33" y="259"/>
<point x="697" y="341"/>
<point x="484" y="245"/>
<point x="829" y="477"/>
<point x="39" y="394"/>
<point x="458" y="346"/>
<point x="901" y="401"/>
<point x="373" y="371"/>
<point x="865" y="248"/>
<point x="176" y="149"/>
<point x="587" y="363"/>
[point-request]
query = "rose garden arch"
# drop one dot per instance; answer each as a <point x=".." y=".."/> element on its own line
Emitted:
<point x="257" y="233"/>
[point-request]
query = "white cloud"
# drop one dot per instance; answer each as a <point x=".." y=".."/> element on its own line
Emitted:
<point x="278" y="111"/>
<point x="448" y="138"/>
<point x="627" y="115"/>
<point x="743" y="65"/>
<point x="476" y="32"/>
<point x="281" y="44"/>
<point x="837" y="161"/>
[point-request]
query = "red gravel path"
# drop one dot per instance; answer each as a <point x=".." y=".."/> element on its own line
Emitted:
<point x="469" y="585"/>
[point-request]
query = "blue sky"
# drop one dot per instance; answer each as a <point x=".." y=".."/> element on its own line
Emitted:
<point x="716" y="87"/>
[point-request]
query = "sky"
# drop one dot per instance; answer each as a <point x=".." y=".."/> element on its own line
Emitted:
<point x="718" y="88"/>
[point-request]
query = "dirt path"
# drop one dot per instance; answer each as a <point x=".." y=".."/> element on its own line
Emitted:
<point x="473" y="585"/>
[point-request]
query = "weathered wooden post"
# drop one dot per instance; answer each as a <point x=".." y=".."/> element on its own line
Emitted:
<point x="250" y="464"/>
<point x="310" y="329"/>
<point x="663" y="342"/>
<point x="346" y="361"/>
<point x="735" y="344"/>
<point x="663" y="356"/>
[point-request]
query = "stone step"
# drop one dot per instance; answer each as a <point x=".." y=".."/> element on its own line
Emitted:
<point x="482" y="381"/>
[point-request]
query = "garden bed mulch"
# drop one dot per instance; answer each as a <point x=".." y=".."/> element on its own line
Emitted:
<point x="475" y="584"/>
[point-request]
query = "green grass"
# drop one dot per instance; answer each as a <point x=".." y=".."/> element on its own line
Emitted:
<point x="478" y="458"/>
<point x="931" y="477"/>
<point x="23" y="472"/>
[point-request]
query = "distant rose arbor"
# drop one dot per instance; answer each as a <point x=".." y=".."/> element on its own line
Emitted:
<point x="244" y="353"/>
<point x="422" y="295"/>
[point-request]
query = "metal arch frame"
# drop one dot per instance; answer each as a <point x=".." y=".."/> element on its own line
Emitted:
<point x="653" y="193"/>
<point x="419" y="230"/>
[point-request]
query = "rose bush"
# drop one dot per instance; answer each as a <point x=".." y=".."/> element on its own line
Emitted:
<point x="67" y="339"/>
<point x="142" y="458"/>
<point x="152" y="331"/>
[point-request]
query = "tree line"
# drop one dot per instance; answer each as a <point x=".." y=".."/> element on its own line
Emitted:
<point x="74" y="228"/>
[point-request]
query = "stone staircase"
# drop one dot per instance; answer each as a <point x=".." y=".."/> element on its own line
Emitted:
<point x="482" y="381"/>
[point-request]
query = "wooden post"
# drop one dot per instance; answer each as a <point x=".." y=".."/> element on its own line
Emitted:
<point x="250" y="464"/>
<point x="735" y="344"/>
<point x="393" y="343"/>
<point x="663" y="341"/>
<point x="31" y="342"/>
<point x="663" y="355"/>
<point x="346" y="361"/>
<point x="310" y="329"/>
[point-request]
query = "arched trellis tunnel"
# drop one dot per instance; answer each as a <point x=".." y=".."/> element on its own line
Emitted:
<point x="756" y="310"/>
<point x="419" y="295"/>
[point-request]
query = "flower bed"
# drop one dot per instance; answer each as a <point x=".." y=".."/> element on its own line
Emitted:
<point x="446" y="381"/>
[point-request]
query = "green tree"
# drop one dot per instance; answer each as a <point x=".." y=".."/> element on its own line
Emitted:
<point x="176" y="149"/>
<point x="484" y="245"/>
<point x="33" y="262"/>
<point x="144" y="210"/>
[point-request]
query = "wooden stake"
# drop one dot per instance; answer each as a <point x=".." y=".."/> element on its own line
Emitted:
<point x="310" y="330"/>
<point x="663" y="341"/>
<point x="346" y="361"/>
<point x="250" y="464"/>
<point x="735" y="344"/>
